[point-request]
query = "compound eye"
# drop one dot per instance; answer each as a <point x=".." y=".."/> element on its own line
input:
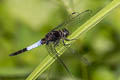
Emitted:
<point x="66" y="34"/>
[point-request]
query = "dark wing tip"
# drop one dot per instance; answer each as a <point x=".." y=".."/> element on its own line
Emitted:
<point x="18" y="52"/>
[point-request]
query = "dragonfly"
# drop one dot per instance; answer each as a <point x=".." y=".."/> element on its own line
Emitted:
<point x="60" y="33"/>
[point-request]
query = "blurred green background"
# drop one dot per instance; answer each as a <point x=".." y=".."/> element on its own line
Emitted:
<point x="23" y="22"/>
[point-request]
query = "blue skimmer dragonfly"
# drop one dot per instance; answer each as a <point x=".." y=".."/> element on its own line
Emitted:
<point x="60" y="33"/>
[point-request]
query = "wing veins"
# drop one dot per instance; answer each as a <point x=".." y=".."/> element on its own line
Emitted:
<point x="72" y="19"/>
<point x="52" y="50"/>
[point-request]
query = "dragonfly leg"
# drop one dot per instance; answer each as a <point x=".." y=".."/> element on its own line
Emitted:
<point x="56" y="43"/>
<point x="67" y="46"/>
<point x="65" y="43"/>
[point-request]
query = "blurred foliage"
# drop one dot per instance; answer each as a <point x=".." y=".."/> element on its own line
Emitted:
<point x="23" y="22"/>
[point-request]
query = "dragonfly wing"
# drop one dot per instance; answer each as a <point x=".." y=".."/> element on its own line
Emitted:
<point x="52" y="50"/>
<point x="76" y="19"/>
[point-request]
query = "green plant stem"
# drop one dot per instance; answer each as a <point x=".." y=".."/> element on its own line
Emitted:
<point x="82" y="29"/>
<point x="96" y="19"/>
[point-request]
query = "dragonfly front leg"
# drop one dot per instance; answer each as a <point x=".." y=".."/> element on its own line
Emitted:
<point x="65" y="43"/>
<point x="67" y="46"/>
<point x="67" y="40"/>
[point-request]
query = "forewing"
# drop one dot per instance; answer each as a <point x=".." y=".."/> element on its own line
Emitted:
<point x="74" y="21"/>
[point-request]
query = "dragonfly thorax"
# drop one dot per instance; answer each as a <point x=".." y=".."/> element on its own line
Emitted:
<point x="54" y="36"/>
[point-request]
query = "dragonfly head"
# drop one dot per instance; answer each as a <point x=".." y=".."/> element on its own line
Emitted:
<point x="65" y="32"/>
